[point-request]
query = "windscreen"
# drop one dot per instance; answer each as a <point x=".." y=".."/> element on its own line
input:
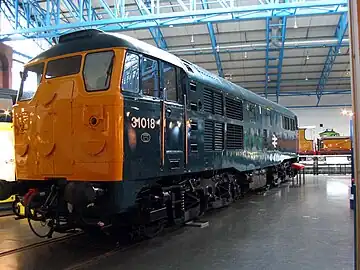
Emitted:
<point x="30" y="81"/>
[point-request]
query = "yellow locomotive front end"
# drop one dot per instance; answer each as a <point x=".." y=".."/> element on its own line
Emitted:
<point x="68" y="134"/>
<point x="68" y="118"/>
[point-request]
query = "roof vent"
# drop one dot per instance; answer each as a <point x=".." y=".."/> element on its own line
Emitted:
<point x="79" y="35"/>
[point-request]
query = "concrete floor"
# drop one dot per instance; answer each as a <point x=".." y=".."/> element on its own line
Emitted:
<point x="307" y="227"/>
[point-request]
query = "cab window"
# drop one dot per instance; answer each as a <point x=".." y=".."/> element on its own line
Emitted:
<point x="168" y="81"/>
<point x="130" y="77"/>
<point x="63" y="67"/>
<point x="251" y="107"/>
<point x="150" y="77"/>
<point x="97" y="70"/>
<point x="30" y="80"/>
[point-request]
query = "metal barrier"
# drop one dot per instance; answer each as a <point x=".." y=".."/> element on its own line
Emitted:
<point x="329" y="169"/>
<point x="327" y="164"/>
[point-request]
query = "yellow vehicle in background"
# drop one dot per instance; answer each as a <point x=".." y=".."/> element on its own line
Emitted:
<point x="305" y="145"/>
<point x="7" y="153"/>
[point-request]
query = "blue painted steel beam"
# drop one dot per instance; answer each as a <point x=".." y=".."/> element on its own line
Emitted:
<point x="22" y="54"/>
<point x="333" y="52"/>
<point x="214" y="45"/>
<point x="309" y="81"/>
<point x="259" y="49"/>
<point x="309" y="93"/>
<point x="267" y="55"/>
<point x="185" y="17"/>
<point x="23" y="16"/>
<point x="319" y="106"/>
<point x="154" y="31"/>
<point x="281" y="57"/>
<point x="274" y="51"/>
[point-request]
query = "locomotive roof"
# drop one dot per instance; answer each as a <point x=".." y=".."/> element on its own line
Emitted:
<point x="93" y="39"/>
<point x="217" y="82"/>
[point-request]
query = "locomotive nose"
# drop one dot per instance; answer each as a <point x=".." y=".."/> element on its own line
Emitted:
<point x="6" y="189"/>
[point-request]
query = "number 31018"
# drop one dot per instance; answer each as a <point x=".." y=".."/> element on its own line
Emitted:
<point x="142" y="122"/>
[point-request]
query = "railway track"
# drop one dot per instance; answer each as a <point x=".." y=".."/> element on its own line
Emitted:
<point x="39" y="244"/>
<point x="92" y="261"/>
<point x="6" y="214"/>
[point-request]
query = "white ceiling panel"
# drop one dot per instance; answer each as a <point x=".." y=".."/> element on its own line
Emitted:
<point x="335" y="99"/>
<point x="209" y="65"/>
<point x="298" y="33"/>
<point x="322" y="31"/>
<point x="225" y="39"/>
<point x="199" y="59"/>
<point x="186" y="41"/>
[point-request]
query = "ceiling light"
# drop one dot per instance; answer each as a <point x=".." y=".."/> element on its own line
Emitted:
<point x="295" y="24"/>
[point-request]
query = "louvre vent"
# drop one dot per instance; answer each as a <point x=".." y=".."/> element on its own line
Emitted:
<point x="193" y="86"/>
<point x="208" y="136"/>
<point x="234" y="137"/>
<point x="218" y="136"/>
<point x="213" y="136"/>
<point x="218" y="103"/>
<point x="208" y="101"/>
<point x="213" y="102"/>
<point x="234" y="109"/>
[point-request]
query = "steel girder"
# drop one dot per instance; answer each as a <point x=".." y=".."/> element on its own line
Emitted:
<point x="320" y="106"/>
<point x="333" y="52"/>
<point x="243" y="47"/>
<point x="54" y="17"/>
<point x="215" y="48"/>
<point x="274" y="55"/>
<point x="154" y="31"/>
<point x="299" y="93"/>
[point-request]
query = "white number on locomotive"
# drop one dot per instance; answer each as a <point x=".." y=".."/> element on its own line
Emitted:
<point x="142" y="122"/>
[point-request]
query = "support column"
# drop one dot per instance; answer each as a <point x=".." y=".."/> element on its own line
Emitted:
<point x="5" y="66"/>
<point x="354" y="20"/>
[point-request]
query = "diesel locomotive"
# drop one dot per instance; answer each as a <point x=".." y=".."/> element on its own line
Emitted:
<point x="111" y="131"/>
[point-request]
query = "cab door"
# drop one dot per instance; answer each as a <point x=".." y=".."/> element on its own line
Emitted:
<point x="173" y="120"/>
<point x="142" y="112"/>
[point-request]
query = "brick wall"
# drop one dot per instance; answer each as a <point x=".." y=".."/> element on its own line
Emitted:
<point x="6" y="53"/>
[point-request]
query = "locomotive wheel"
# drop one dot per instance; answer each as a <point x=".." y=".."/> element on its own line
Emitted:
<point x="154" y="229"/>
<point x="32" y="213"/>
<point x="5" y="190"/>
<point x="16" y="207"/>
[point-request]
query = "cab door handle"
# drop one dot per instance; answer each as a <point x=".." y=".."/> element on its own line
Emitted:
<point x="168" y="112"/>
